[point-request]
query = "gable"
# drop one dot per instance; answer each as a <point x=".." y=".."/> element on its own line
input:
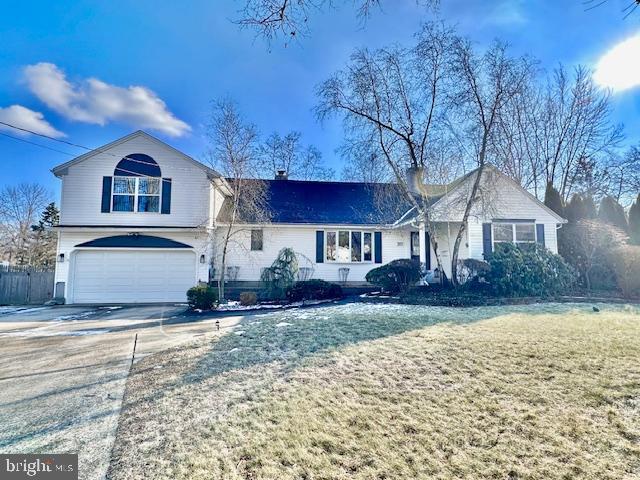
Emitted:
<point x="137" y="143"/>
<point x="501" y="198"/>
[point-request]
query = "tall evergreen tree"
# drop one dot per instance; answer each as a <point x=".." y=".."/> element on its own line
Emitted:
<point x="634" y="222"/>
<point x="553" y="200"/>
<point x="42" y="241"/>
<point x="589" y="208"/>
<point x="574" y="211"/>
<point x="611" y="212"/>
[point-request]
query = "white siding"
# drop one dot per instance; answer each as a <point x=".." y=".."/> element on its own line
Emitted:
<point x="82" y="188"/>
<point x="67" y="240"/>
<point x="395" y="244"/>
<point x="505" y="200"/>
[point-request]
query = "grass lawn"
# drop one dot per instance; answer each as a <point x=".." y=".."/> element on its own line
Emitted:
<point x="393" y="392"/>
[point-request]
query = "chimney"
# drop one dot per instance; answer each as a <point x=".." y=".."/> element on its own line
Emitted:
<point x="415" y="179"/>
<point x="282" y="175"/>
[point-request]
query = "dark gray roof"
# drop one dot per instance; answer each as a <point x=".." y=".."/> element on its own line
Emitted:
<point x="335" y="203"/>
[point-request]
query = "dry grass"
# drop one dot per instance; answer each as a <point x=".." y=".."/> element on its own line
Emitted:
<point x="368" y="392"/>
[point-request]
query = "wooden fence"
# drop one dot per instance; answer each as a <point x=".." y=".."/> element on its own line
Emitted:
<point x="24" y="286"/>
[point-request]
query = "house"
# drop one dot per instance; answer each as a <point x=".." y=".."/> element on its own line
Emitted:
<point x="142" y="222"/>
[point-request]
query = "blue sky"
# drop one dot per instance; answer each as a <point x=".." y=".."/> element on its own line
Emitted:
<point x="68" y="67"/>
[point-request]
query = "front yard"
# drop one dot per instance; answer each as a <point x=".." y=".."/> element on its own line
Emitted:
<point x="391" y="391"/>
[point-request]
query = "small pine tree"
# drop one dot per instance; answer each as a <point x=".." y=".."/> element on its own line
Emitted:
<point x="611" y="212"/>
<point x="634" y="222"/>
<point x="553" y="200"/>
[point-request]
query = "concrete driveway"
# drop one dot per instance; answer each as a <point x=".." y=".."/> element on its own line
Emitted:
<point x="63" y="372"/>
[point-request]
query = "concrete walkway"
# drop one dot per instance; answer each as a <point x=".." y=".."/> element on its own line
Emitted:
<point x="63" y="372"/>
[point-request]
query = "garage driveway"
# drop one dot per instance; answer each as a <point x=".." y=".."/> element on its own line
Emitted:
<point x="63" y="372"/>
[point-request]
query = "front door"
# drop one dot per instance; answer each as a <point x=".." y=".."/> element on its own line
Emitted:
<point x="415" y="248"/>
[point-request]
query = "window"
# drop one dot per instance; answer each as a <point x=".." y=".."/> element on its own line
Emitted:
<point x="343" y="246"/>
<point x="256" y="240"/>
<point x="525" y="233"/>
<point x="518" y="233"/>
<point x="367" y="249"/>
<point x="356" y="246"/>
<point x="331" y="246"/>
<point x="136" y="194"/>
<point x="346" y="246"/>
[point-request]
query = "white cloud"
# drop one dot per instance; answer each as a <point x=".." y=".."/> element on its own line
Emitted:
<point x="94" y="101"/>
<point x="508" y="13"/>
<point x="28" y="119"/>
<point x="619" y="68"/>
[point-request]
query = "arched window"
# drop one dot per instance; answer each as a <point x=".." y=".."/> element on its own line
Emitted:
<point x="137" y="184"/>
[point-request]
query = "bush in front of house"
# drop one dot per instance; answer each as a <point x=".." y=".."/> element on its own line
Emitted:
<point x="528" y="271"/>
<point x="396" y="276"/>
<point x="248" y="298"/>
<point x="281" y="274"/>
<point x="471" y="269"/>
<point x="202" y="297"/>
<point x="313" y="290"/>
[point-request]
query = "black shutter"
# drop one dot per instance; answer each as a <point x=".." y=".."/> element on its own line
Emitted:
<point x="427" y="247"/>
<point x="106" y="195"/>
<point x="540" y="233"/>
<point x="319" y="246"/>
<point x="486" y="240"/>
<point x="377" y="247"/>
<point x="166" y="196"/>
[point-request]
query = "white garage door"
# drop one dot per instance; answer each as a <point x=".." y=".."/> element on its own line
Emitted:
<point x="132" y="276"/>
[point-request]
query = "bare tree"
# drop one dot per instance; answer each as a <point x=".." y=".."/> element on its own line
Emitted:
<point x="618" y="176"/>
<point x="393" y="96"/>
<point x="486" y="84"/>
<point x="233" y="151"/>
<point x="590" y="245"/>
<point x="576" y="128"/>
<point x="297" y="160"/>
<point x="272" y="19"/>
<point x="20" y="207"/>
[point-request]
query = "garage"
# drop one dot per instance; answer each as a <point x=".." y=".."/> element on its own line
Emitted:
<point x="132" y="276"/>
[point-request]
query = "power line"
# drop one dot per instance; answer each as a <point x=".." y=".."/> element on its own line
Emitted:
<point x="36" y="144"/>
<point x="70" y="143"/>
<point x="44" y="136"/>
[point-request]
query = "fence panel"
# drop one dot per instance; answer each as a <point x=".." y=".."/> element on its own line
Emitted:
<point x="21" y="286"/>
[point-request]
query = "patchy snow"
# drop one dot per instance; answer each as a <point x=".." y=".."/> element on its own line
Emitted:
<point x="239" y="332"/>
<point x="9" y="310"/>
<point x="42" y="332"/>
<point x="283" y="324"/>
<point x="234" y="350"/>
<point x="234" y="306"/>
<point x="76" y="316"/>
<point x="109" y="308"/>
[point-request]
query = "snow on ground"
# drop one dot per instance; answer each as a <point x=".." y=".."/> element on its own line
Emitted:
<point x="77" y="316"/>
<point x="8" y="310"/>
<point x="233" y="306"/>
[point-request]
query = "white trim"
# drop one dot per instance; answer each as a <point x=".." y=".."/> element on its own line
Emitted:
<point x="511" y="180"/>
<point x="136" y="194"/>
<point x="70" y="286"/>
<point x="350" y="231"/>
<point x="513" y="233"/>
<point x="59" y="170"/>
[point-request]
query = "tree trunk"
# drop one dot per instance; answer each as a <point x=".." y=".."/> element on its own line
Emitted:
<point x="465" y="218"/>
<point x="223" y="264"/>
